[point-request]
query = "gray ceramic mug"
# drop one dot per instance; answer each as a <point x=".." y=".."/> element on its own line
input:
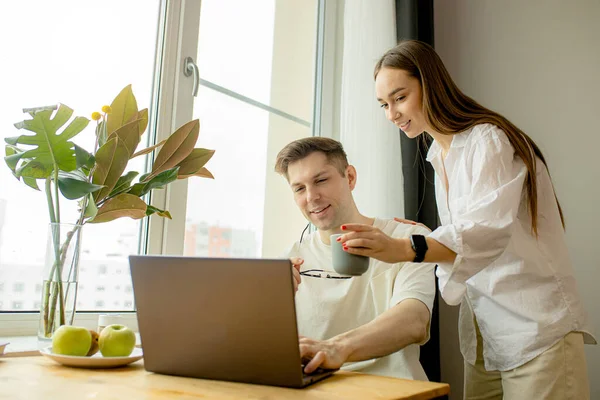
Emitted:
<point x="345" y="263"/>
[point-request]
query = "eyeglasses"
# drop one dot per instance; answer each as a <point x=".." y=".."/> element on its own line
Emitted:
<point x="303" y="231"/>
<point x="319" y="273"/>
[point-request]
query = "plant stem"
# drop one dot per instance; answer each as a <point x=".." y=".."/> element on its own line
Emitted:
<point x="49" y="199"/>
<point x="58" y="259"/>
<point x="75" y="261"/>
<point x="56" y="195"/>
<point x="48" y="284"/>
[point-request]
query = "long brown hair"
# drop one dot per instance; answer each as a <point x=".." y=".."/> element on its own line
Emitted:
<point x="449" y="111"/>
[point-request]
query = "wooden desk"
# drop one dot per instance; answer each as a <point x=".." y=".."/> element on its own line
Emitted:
<point x="40" y="378"/>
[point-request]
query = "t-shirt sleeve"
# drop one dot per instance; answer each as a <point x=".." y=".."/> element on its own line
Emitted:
<point x="290" y="251"/>
<point x="415" y="281"/>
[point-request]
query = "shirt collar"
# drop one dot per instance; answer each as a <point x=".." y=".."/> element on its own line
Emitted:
<point x="458" y="140"/>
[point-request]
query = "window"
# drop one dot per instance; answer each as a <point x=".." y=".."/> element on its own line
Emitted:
<point x="258" y="64"/>
<point x="257" y="92"/>
<point x="84" y="72"/>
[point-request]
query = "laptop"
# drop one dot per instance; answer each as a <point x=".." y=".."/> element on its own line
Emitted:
<point x="219" y="318"/>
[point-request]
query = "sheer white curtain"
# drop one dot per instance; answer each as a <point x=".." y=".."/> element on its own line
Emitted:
<point x="371" y="141"/>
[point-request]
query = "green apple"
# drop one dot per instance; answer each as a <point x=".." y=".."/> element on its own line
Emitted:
<point x="71" y="340"/>
<point x="116" y="341"/>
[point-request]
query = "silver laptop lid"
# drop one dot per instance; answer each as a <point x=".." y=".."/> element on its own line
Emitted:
<point x="215" y="318"/>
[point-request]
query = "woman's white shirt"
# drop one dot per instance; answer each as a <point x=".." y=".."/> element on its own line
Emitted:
<point x="520" y="288"/>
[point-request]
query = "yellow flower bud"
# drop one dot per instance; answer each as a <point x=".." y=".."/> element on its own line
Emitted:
<point x="96" y="116"/>
<point x="106" y="109"/>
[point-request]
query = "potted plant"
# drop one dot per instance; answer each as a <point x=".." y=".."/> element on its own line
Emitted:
<point x="48" y="158"/>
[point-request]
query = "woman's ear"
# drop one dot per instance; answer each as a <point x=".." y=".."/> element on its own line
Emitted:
<point x="351" y="175"/>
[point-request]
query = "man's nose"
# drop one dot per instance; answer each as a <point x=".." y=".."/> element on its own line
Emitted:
<point x="312" y="194"/>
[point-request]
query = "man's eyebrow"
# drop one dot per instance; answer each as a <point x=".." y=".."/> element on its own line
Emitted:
<point x="393" y="92"/>
<point x="313" y="178"/>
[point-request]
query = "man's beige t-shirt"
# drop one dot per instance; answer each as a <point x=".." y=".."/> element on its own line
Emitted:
<point x="328" y="307"/>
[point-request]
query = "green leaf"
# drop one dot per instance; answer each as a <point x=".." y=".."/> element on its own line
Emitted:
<point x="123" y="108"/>
<point x="90" y="209"/>
<point x="178" y="146"/>
<point x="101" y="133"/>
<point x="161" y="213"/>
<point x="31" y="182"/>
<point x="149" y="149"/>
<point x="13" y="156"/>
<point x="202" y="173"/>
<point x="129" y="135"/>
<point x="194" y="162"/>
<point x="159" y="181"/>
<point x="33" y="169"/>
<point x="77" y="174"/>
<point x="111" y="161"/>
<point x="124" y="205"/>
<point x="51" y="148"/>
<point x="31" y="111"/>
<point x="73" y="186"/>
<point x="83" y="158"/>
<point x="123" y="183"/>
<point x="143" y="117"/>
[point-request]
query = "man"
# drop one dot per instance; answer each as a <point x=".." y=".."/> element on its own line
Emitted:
<point x="374" y="322"/>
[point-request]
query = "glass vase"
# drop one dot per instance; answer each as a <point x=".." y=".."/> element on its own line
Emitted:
<point x="59" y="278"/>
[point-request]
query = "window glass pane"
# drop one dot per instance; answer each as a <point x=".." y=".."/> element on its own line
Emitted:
<point x="243" y="44"/>
<point x="266" y="52"/>
<point x="226" y="216"/>
<point x="81" y="54"/>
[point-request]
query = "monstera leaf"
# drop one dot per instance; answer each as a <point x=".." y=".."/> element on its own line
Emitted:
<point x="51" y="151"/>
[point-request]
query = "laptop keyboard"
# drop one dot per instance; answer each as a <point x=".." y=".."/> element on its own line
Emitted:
<point x="315" y="372"/>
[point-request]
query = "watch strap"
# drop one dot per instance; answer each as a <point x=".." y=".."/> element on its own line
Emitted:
<point x="419" y="245"/>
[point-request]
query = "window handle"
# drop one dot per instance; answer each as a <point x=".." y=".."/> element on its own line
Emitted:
<point x="189" y="68"/>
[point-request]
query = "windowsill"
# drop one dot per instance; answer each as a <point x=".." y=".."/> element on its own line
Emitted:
<point x="26" y="346"/>
<point x="20" y="346"/>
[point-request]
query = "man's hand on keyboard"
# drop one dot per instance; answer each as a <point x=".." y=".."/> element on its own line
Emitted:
<point x="324" y="354"/>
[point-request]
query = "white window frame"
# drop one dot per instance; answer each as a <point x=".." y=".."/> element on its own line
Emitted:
<point x="173" y="102"/>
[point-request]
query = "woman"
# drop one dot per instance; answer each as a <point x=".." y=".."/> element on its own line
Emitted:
<point x="501" y="248"/>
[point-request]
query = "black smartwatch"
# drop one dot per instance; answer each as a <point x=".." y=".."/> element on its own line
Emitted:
<point x="419" y="245"/>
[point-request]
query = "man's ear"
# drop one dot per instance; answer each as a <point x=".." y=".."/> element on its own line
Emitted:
<point x="351" y="175"/>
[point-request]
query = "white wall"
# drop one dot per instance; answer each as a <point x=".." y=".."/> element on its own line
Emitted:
<point x="538" y="63"/>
